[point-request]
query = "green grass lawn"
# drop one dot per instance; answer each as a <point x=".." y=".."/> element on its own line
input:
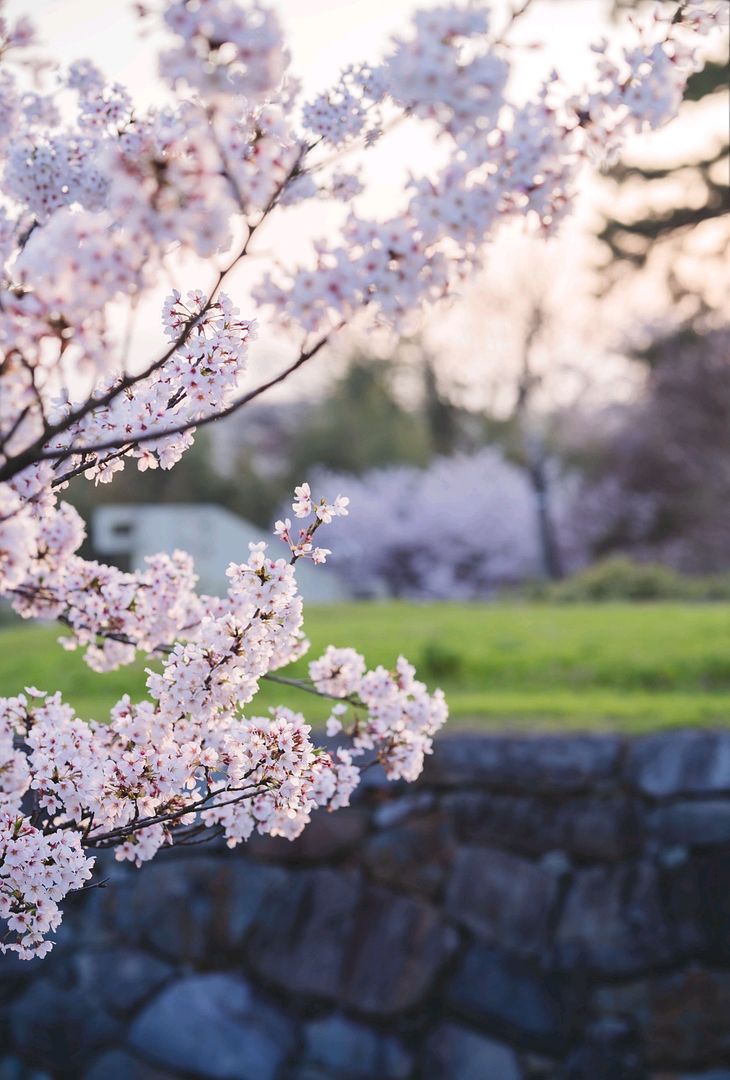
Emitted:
<point x="630" y="667"/>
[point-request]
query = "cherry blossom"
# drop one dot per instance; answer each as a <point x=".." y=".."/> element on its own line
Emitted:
<point x="102" y="200"/>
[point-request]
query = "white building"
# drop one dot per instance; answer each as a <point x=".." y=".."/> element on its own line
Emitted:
<point x="213" y="535"/>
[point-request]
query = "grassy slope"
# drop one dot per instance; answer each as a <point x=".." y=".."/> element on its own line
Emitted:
<point x="633" y="667"/>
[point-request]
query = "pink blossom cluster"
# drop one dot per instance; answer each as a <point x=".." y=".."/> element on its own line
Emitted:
<point x="102" y="199"/>
<point x="100" y="194"/>
<point x="506" y="160"/>
<point x="399" y="719"/>
<point x="189" y="757"/>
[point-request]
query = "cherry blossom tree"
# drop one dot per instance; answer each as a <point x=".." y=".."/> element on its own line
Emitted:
<point x="100" y="198"/>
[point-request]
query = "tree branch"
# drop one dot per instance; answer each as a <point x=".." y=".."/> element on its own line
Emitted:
<point x="188" y="425"/>
<point x="34" y="452"/>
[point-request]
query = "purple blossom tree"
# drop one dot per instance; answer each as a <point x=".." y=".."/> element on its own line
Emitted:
<point x="459" y="529"/>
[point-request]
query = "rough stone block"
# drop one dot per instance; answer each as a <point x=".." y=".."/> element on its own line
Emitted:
<point x="52" y="1023"/>
<point x="333" y="938"/>
<point x="680" y="763"/>
<point x="681" y="1018"/>
<point x="503" y="899"/>
<point x="398" y="947"/>
<point x="344" y="1050"/>
<point x="708" y="1074"/>
<point x="464" y="759"/>
<point x="299" y="939"/>
<point x="535" y="1009"/>
<point x="191" y="909"/>
<point x="589" y="827"/>
<point x="327" y="836"/>
<point x="453" y="1051"/>
<point x="414" y="855"/>
<point x="119" y="1065"/>
<point x="120" y="978"/>
<point x="213" y="1026"/>
<point x="390" y="812"/>
<point x="688" y="821"/>
<point x="703" y="884"/>
<point x="609" y="1051"/>
<point x="529" y="763"/>
<point x="12" y="1068"/>
<point x="614" y="922"/>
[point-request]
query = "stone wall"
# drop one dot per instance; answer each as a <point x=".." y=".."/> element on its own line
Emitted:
<point x="538" y="908"/>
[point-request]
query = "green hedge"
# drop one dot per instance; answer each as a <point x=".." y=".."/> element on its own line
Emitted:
<point x="620" y="578"/>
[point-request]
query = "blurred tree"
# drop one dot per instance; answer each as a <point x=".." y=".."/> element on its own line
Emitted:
<point x="659" y="472"/>
<point x="656" y="209"/>
<point x="661" y="486"/>
<point x="530" y="445"/>
<point x="528" y="351"/>
<point x="447" y="423"/>
<point x="361" y="424"/>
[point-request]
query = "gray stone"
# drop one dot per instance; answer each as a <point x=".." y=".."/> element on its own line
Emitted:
<point x="684" y="908"/>
<point x="52" y="1023"/>
<point x="562" y="763"/>
<point x="343" y="1050"/>
<point x="397" y="950"/>
<point x="599" y="828"/>
<point x="299" y="939"/>
<point x="11" y="1068"/>
<point x="253" y="887"/>
<point x="213" y="1026"/>
<point x="614" y="922"/>
<point x="14" y="974"/>
<point x="682" y="1018"/>
<point x="516" y="822"/>
<point x="415" y="855"/>
<point x="557" y="863"/>
<point x="169" y="906"/>
<point x="394" y="811"/>
<point x="515" y="998"/>
<point x="327" y="836"/>
<point x="595" y="827"/>
<point x="119" y="1065"/>
<point x="673" y="856"/>
<point x="464" y="759"/>
<point x="502" y="898"/>
<point x="706" y="881"/>
<point x="529" y="763"/>
<point x="537" y="1066"/>
<point x="681" y="763"/>
<point x="195" y="908"/>
<point x="120" y="978"/>
<point x="693" y="822"/>
<point x="711" y="1074"/>
<point x="455" y="1053"/>
<point x="609" y="1051"/>
<point x="335" y="939"/>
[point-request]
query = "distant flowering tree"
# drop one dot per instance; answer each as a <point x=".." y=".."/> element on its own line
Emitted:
<point x="99" y="198"/>
<point x="459" y="529"/>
